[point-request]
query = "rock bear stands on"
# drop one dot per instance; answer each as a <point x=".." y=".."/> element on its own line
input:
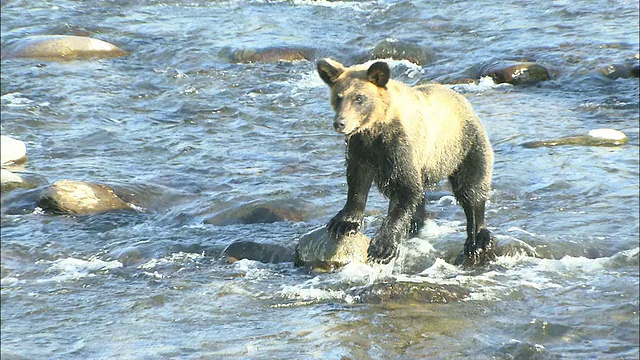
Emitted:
<point x="404" y="138"/>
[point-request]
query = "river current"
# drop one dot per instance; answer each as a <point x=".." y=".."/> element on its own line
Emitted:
<point x="190" y="134"/>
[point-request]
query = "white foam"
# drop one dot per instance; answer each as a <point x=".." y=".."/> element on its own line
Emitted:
<point x="72" y="268"/>
<point x="485" y="83"/>
<point x="433" y="228"/>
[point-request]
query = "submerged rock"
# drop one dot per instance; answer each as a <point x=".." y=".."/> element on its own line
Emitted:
<point x="257" y="213"/>
<point x="80" y="198"/>
<point x="12" y="151"/>
<point x="271" y="55"/>
<point x="410" y="292"/>
<point x="596" y="137"/>
<point x="463" y="81"/>
<point x="263" y="252"/>
<point x="318" y="250"/>
<point x="61" y="47"/>
<point x="516" y="74"/>
<point x="400" y="50"/>
<point x="617" y="71"/>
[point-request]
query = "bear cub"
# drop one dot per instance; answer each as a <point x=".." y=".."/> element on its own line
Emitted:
<point x="404" y="138"/>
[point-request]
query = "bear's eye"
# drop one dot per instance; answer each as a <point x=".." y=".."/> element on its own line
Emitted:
<point x="359" y="99"/>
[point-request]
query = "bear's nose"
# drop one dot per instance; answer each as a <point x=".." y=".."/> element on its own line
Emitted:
<point x="339" y="124"/>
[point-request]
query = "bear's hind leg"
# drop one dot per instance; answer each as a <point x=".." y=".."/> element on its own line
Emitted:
<point x="479" y="238"/>
<point x="478" y="247"/>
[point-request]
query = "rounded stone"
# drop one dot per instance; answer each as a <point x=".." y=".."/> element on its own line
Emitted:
<point x="317" y="249"/>
<point x="596" y="137"/>
<point x="80" y="198"/>
<point x="61" y="47"/>
<point x="270" y="55"/>
<point x="12" y="151"/>
<point x="401" y="50"/>
<point x="516" y="74"/>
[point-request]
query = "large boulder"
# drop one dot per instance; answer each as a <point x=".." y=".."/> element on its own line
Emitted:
<point x="80" y="198"/>
<point x="61" y="47"/>
<point x="318" y="250"/>
<point x="12" y="151"/>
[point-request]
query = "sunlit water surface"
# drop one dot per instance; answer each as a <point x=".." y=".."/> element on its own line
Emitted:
<point x="191" y="134"/>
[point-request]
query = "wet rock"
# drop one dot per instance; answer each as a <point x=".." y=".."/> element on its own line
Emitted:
<point x="400" y="50"/>
<point x="515" y="349"/>
<point x="318" y="250"/>
<point x="60" y="48"/>
<point x="79" y="198"/>
<point x="596" y="137"/>
<point x="410" y="292"/>
<point x="263" y="252"/>
<point x="635" y="71"/>
<point x="617" y="71"/>
<point x="463" y="81"/>
<point x="514" y="248"/>
<point x="257" y="213"/>
<point x="12" y="151"/>
<point x="516" y="74"/>
<point x="10" y="181"/>
<point x="271" y="55"/>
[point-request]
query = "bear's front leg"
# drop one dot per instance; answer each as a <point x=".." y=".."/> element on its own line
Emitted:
<point x="348" y="221"/>
<point x="384" y="245"/>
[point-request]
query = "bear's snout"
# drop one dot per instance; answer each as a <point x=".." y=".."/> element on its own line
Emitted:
<point x="339" y="124"/>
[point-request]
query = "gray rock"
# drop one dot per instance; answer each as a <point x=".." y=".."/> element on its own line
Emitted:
<point x="318" y="250"/>
<point x="61" y="47"/>
<point x="263" y="252"/>
<point x="80" y="198"/>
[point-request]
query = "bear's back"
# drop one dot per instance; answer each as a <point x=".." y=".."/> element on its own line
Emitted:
<point x="439" y="126"/>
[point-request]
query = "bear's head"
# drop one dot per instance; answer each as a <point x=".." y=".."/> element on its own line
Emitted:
<point x="359" y="94"/>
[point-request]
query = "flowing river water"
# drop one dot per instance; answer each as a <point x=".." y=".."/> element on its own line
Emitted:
<point x="190" y="133"/>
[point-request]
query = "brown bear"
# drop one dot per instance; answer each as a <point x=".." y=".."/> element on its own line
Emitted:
<point x="405" y="138"/>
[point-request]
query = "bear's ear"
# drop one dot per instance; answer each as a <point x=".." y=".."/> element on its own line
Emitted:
<point x="329" y="70"/>
<point x="379" y="73"/>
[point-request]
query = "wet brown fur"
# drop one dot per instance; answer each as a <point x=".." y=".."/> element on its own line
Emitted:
<point x="405" y="138"/>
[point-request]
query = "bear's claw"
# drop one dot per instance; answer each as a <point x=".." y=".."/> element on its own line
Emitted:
<point x="381" y="253"/>
<point x="483" y="243"/>
<point x="344" y="224"/>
